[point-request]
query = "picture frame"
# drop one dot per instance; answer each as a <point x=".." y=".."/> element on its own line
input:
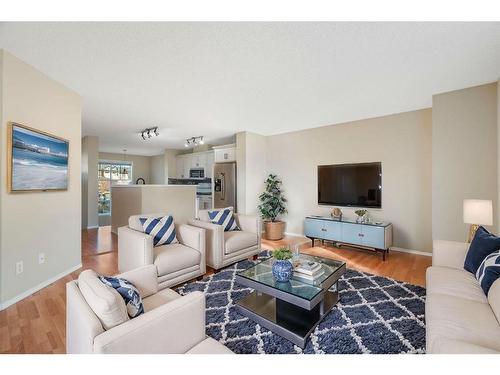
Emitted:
<point x="36" y="160"/>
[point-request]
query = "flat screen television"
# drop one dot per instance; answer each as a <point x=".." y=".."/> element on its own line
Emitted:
<point x="350" y="185"/>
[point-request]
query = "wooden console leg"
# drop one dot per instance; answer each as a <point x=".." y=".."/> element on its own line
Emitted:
<point x="383" y="255"/>
<point x="255" y="257"/>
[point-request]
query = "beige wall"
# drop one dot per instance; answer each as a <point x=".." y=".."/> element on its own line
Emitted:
<point x="402" y="142"/>
<point x="36" y="222"/>
<point x="170" y="164"/>
<point x="140" y="168"/>
<point x="90" y="155"/>
<point x="176" y="200"/>
<point x="464" y="149"/>
<point x="157" y="169"/>
<point x="251" y="159"/>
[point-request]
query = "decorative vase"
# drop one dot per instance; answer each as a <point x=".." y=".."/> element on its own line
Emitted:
<point x="274" y="230"/>
<point x="282" y="271"/>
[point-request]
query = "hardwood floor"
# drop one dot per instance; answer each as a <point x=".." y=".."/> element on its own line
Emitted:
<point x="37" y="324"/>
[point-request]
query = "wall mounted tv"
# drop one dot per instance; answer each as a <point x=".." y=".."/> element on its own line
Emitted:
<point x="350" y="185"/>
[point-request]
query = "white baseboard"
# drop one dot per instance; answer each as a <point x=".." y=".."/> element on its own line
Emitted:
<point x="42" y="285"/>
<point x="93" y="227"/>
<point x="400" y="249"/>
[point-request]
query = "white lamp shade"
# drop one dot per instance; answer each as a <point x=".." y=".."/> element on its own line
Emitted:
<point x="478" y="211"/>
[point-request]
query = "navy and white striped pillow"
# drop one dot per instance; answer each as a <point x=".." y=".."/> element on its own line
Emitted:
<point x="162" y="229"/>
<point x="129" y="293"/>
<point x="489" y="271"/>
<point x="225" y="218"/>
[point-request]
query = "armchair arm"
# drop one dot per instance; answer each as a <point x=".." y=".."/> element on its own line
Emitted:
<point x="135" y="249"/>
<point x="144" y="278"/>
<point x="214" y="241"/>
<point x="193" y="237"/>
<point x="175" y="327"/>
<point x="449" y="253"/>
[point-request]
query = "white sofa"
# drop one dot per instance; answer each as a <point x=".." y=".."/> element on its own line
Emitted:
<point x="225" y="248"/>
<point x="459" y="317"/>
<point x="176" y="263"/>
<point x="170" y="323"/>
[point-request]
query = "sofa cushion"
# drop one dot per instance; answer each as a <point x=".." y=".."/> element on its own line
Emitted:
<point x="209" y="346"/>
<point x="135" y="224"/>
<point x="489" y="271"/>
<point x="172" y="258"/>
<point x="105" y="302"/>
<point x="460" y="319"/>
<point x="483" y="244"/>
<point x="129" y="293"/>
<point x="237" y="240"/>
<point x="494" y="299"/>
<point x="162" y="297"/>
<point x="453" y="282"/>
<point x="225" y="218"/>
<point x="162" y="229"/>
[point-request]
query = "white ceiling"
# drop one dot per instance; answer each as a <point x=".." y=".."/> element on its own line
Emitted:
<point x="216" y="79"/>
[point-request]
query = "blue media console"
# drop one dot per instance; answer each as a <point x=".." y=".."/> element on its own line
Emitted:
<point x="375" y="236"/>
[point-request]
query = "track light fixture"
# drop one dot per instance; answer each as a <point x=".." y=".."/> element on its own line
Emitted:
<point x="194" y="141"/>
<point x="148" y="133"/>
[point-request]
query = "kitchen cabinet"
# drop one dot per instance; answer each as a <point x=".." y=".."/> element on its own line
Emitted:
<point x="225" y="154"/>
<point x="203" y="160"/>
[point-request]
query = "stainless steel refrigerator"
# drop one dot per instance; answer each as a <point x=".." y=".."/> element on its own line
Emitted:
<point x="225" y="185"/>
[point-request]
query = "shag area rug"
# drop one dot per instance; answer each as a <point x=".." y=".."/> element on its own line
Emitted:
<point x="374" y="315"/>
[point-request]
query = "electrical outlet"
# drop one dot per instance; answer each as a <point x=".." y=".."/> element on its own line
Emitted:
<point x="19" y="267"/>
<point x="41" y="258"/>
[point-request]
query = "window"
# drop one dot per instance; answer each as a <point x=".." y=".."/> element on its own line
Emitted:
<point x="110" y="173"/>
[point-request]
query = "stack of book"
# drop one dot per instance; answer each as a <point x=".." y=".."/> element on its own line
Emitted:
<point x="308" y="271"/>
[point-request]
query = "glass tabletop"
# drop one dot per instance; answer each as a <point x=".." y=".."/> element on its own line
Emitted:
<point x="262" y="273"/>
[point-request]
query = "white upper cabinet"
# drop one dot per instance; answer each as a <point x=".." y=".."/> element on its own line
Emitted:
<point x="203" y="160"/>
<point x="225" y="154"/>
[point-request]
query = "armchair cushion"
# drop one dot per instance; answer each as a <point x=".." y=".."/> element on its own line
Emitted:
<point x="129" y="293"/>
<point x="239" y="240"/>
<point x="176" y="257"/>
<point x="225" y="218"/>
<point x="162" y="297"/>
<point x="105" y="302"/>
<point x="162" y="229"/>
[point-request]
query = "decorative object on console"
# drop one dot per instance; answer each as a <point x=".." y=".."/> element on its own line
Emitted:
<point x="336" y="213"/>
<point x="129" y="293"/>
<point x="162" y="229"/>
<point x="282" y="268"/>
<point x="225" y="218"/>
<point x="489" y="271"/>
<point x="360" y="215"/>
<point x="272" y="205"/>
<point x="35" y="160"/>
<point x="477" y="212"/>
<point x="140" y="181"/>
<point x="483" y="244"/>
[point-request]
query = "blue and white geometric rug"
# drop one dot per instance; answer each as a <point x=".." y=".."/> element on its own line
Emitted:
<point x="374" y="315"/>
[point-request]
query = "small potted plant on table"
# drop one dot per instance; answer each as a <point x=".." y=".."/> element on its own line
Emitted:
<point x="282" y="268"/>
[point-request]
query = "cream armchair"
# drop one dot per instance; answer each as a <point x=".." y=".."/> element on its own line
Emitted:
<point x="225" y="248"/>
<point x="176" y="263"/>
<point x="170" y="324"/>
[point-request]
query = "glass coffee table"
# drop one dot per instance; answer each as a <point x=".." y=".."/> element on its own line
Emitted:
<point x="293" y="309"/>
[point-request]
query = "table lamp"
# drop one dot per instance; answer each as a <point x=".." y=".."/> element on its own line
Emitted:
<point x="477" y="212"/>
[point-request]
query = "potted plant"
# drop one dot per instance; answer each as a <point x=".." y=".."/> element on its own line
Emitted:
<point x="361" y="215"/>
<point x="272" y="205"/>
<point x="282" y="267"/>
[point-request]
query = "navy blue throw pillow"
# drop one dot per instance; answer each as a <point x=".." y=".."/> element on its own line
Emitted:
<point x="483" y="244"/>
<point x="489" y="271"/>
<point x="129" y="293"/>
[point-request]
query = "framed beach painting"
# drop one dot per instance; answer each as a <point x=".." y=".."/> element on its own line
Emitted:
<point x="37" y="161"/>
